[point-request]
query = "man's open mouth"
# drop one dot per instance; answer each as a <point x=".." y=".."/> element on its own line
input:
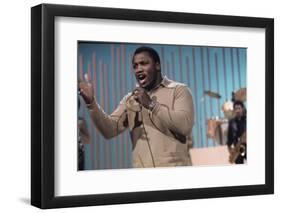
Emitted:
<point x="141" y="78"/>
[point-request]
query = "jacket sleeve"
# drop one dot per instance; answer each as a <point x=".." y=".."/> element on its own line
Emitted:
<point x="180" y="118"/>
<point x="109" y="125"/>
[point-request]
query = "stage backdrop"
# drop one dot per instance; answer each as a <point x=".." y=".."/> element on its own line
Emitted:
<point x="202" y="68"/>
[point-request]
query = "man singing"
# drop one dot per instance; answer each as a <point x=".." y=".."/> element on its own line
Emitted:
<point x="159" y="114"/>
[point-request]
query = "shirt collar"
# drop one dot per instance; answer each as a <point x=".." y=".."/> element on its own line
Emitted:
<point x="165" y="81"/>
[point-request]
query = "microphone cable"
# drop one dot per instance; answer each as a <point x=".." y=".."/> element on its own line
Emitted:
<point x="147" y="141"/>
<point x="145" y="132"/>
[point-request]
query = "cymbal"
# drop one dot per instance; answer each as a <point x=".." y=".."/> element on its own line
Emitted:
<point x="241" y="94"/>
<point x="212" y="94"/>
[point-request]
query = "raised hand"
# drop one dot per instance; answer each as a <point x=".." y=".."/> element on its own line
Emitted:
<point x="86" y="89"/>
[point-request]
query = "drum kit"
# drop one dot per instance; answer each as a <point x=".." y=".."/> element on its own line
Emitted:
<point x="217" y="127"/>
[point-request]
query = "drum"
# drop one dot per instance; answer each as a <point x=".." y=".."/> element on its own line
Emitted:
<point x="217" y="130"/>
<point x="241" y="95"/>
<point x="227" y="109"/>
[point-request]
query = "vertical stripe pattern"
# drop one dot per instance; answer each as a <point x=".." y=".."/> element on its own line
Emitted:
<point x="108" y="65"/>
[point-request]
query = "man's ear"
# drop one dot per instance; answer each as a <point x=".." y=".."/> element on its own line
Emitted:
<point x="157" y="66"/>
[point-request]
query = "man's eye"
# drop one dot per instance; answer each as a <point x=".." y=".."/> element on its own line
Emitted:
<point x="144" y="63"/>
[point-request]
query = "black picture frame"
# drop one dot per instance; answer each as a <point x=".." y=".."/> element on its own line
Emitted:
<point x="43" y="105"/>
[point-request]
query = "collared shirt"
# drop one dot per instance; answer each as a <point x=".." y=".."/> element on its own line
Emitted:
<point x="160" y="136"/>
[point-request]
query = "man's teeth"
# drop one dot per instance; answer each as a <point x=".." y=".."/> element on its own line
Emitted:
<point x="141" y="77"/>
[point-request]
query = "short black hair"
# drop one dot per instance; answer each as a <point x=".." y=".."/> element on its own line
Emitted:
<point x="240" y="103"/>
<point x="152" y="52"/>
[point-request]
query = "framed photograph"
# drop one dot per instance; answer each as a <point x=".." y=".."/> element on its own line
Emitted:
<point x="136" y="106"/>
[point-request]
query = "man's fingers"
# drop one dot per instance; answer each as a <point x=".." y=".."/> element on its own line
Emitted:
<point x="136" y="95"/>
<point x="86" y="78"/>
<point x="82" y="88"/>
<point x="82" y="85"/>
<point x="86" y="91"/>
<point x="136" y="92"/>
<point x="139" y="89"/>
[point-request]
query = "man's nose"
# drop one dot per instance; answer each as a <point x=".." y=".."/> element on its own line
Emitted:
<point x="139" y="69"/>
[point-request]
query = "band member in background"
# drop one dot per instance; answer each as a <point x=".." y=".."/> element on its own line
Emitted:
<point x="159" y="114"/>
<point x="236" y="138"/>
<point x="83" y="138"/>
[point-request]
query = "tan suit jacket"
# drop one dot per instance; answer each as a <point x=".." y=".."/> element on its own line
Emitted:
<point x="159" y="137"/>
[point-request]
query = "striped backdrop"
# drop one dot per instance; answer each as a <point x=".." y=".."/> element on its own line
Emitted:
<point x="218" y="69"/>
